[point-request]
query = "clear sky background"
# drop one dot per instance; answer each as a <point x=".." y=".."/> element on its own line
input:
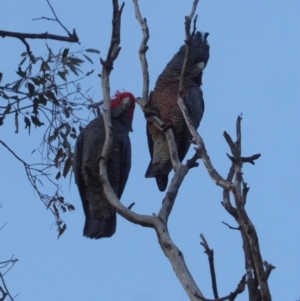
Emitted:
<point x="254" y="68"/>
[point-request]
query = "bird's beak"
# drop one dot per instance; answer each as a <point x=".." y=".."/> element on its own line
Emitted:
<point x="201" y="65"/>
<point x="126" y="102"/>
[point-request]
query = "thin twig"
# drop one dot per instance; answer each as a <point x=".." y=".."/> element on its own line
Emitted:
<point x="250" y="159"/>
<point x="3" y="225"/>
<point x="269" y="267"/>
<point x="56" y="18"/>
<point x="210" y="256"/>
<point x="5" y="287"/>
<point x="231" y="297"/>
<point x="188" y="42"/>
<point x="230" y="227"/>
<point x="131" y="205"/>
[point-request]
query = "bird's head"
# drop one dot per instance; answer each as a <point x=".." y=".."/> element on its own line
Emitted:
<point x="122" y="107"/>
<point x="200" y="50"/>
<point x="199" y="53"/>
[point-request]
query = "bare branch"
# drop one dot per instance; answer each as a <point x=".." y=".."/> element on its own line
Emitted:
<point x="269" y="267"/>
<point x="114" y="47"/>
<point x="142" y="51"/>
<point x="250" y="159"/>
<point x="220" y="181"/>
<point x="6" y="291"/>
<point x="180" y="171"/>
<point x="176" y="259"/>
<point x="230" y="227"/>
<point x="3" y="288"/>
<point x="239" y="135"/>
<point x="107" y="66"/>
<point x="169" y="248"/>
<point x="188" y="42"/>
<point x="26" y="45"/>
<point x="42" y="36"/>
<point x="172" y="192"/>
<point x="59" y="21"/>
<point x="231" y="144"/>
<point x="210" y="256"/>
<point x="72" y="38"/>
<point x="198" y="140"/>
<point x="131" y="205"/>
<point x="2" y="228"/>
<point x="11" y="151"/>
<point x="231" y="297"/>
<point x="250" y="238"/>
<point x="191" y="163"/>
<point x="195" y="3"/>
<point x="245" y="159"/>
<point x="226" y="195"/>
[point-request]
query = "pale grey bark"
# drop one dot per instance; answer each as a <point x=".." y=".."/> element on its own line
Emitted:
<point x="253" y="259"/>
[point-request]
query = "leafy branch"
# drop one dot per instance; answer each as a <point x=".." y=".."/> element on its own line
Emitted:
<point x="47" y="95"/>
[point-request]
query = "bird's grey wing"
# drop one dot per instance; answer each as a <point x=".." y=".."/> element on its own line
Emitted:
<point x="125" y="165"/>
<point x="195" y="106"/>
<point x="77" y="168"/>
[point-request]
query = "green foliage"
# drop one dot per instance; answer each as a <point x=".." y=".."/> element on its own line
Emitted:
<point x="47" y="94"/>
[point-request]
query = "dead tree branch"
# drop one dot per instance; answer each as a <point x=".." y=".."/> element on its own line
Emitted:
<point x="158" y="223"/>
<point x="58" y="21"/>
<point x="4" y="290"/>
<point x="198" y="140"/>
<point x="72" y="37"/>
<point x="247" y="227"/>
<point x="169" y="248"/>
<point x="210" y="256"/>
<point x="269" y="267"/>
<point x="107" y="66"/>
<point x="230" y="227"/>
<point x="8" y="264"/>
<point x="188" y="42"/>
<point x="41" y="36"/>
<point x="231" y="297"/>
<point x="142" y="52"/>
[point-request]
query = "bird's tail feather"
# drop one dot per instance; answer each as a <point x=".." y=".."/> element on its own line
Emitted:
<point x="154" y="171"/>
<point x="151" y="171"/>
<point x="99" y="227"/>
<point x="162" y="182"/>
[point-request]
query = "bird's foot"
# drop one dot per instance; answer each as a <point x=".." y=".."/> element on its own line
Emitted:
<point x="150" y="112"/>
<point x="166" y="126"/>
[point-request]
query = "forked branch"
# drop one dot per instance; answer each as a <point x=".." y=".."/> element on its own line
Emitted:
<point x="72" y="37"/>
<point x="107" y="66"/>
<point x="169" y="248"/>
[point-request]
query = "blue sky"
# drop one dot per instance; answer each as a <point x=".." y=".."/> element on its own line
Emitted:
<point x="254" y="68"/>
